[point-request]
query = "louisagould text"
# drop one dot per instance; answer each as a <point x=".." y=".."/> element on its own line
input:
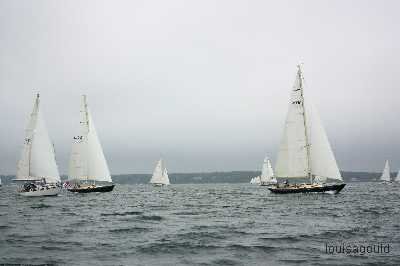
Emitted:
<point x="360" y="249"/>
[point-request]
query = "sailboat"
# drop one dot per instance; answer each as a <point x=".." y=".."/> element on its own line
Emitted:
<point x="160" y="175"/>
<point x="0" y="182"/>
<point x="385" y="177"/>
<point x="255" y="180"/>
<point x="87" y="163"/>
<point x="267" y="174"/>
<point x="305" y="152"/>
<point x="37" y="171"/>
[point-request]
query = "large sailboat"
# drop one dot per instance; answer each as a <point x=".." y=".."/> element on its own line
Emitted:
<point x="160" y="175"/>
<point x="37" y="171"/>
<point x="267" y="174"/>
<point x="305" y="152"/>
<point x="87" y="163"/>
<point x="385" y="177"/>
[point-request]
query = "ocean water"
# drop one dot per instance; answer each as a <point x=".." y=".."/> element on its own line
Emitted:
<point x="202" y="224"/>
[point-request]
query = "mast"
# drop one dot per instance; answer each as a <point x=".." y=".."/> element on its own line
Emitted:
<point x="30" y="140"/>
<point x="305" y="123"/>
<point x="85" y="108"/>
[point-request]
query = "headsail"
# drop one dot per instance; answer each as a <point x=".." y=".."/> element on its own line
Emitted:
<point x="165" y="177"/>
<point x="304" y="151"/>
<point x="38" y="157"/>
<point x="397" y="179"/>
<point x="87" y="161"/>
<point x="386" y="172"/>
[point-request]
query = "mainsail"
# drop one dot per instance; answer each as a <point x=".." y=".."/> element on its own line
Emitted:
<point x="160" y="174"/>
<point x="87" y="161"/>
<point x="304" y="151"/>
<point x="386" y="172"/>
<point x="38" y="157"/>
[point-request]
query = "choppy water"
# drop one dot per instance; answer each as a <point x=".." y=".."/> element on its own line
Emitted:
<point x="210" y="224"/>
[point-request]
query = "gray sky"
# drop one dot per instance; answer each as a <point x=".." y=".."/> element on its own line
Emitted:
<point x="205" y="83"/>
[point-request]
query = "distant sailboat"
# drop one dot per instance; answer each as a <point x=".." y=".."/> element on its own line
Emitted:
<point x="305" y="152"/>
<point x="0" y="182"/>
<point x="160" y="175"/>
<point x="267" y="174"/>
<point x="37" y="168"/>
<point x="255" y="180"/>
<point x="385" y="177"/>
<point x="87" y="163"/>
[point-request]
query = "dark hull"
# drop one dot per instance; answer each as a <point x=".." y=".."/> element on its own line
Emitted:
<point x="325" y="188"/>
<point x="92" y="189"/>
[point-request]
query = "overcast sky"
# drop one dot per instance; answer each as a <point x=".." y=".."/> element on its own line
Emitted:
<point x="205" y="84"/>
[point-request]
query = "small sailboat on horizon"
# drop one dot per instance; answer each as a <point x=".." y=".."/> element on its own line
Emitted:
<point x="255" y="180"/>
<point x="305" y="152"/>
<point x="267" y="174"/>
<point x="87" y="163"/>
<point x="37" y="171"/>
<point x="385" y="177"/>
<point x="160" y="175"/>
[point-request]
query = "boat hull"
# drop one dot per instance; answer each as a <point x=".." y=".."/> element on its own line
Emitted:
<point x="105" y="188"/>
<point x="41" y="193"/>
<point x="159" y="185"/>
<point x="335" y="188"/>
<point x="268" y="184"/>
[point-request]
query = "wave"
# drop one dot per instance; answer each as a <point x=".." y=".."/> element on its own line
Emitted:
<point x="40" y="206"/>
<point x="151" y="217"/>
<point x="122" y="213"/>
<point x="225" y="261"/>
<point x="127" y="230"/>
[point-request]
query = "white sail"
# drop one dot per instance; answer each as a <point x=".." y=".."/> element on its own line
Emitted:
<point x="160" y="174"/>
<point x="267" y="173"/>
<point x="304" y="150"/>
<point x="165" y="177"/>
<point x="38" y="157"/>
<point x="397" y="179"/>
<point x="292" y="159"/>
<point x="386" y="172"/>
<point x="322" y="161"/>
<point x="255" y="180"/>
<point x="87" y="161"/>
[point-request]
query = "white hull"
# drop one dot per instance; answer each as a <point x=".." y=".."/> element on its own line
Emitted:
<point x="41" y="193"/>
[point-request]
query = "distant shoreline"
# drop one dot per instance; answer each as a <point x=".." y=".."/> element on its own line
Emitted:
<point x="214" y="177"/>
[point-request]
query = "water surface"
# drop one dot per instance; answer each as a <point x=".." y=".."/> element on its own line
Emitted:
<point x="201" y="224"/>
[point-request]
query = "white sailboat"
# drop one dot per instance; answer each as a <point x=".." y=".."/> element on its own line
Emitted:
<point x="267" y="174"/>
<point x="87" y="163"/>
<point x="255" y="180"/>
<point x="160" y="175"/>
<point x="37" y="168"/>
<point x="305" y="152"/>
<point x="385" y="177"/>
